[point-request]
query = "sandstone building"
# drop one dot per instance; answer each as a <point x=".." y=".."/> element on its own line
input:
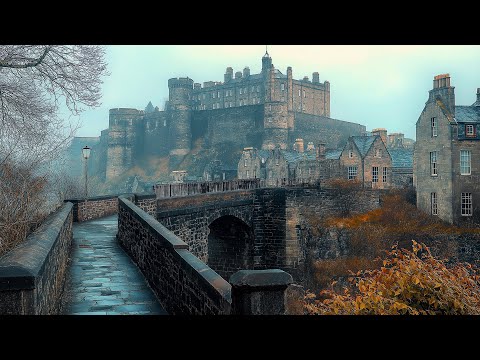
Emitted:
<point x="262" y="110"/>
<point x="447" y="155"/>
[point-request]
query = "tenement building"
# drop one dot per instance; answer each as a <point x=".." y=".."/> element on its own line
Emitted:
<point x="447" y="155"/>
<point x="365" y="159"/>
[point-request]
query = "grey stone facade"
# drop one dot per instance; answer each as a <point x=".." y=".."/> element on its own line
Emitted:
<point x="445" y="142"/>
<point x="94" y="207"/>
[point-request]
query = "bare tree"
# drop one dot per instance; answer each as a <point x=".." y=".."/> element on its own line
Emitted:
<point x="35" y="80"/>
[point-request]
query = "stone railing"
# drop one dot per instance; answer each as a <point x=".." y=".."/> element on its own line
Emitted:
<point x="185" y="189"/>
<point x="94" y="207"/>
<point x="32" y="275"/>
<point x="186" y="285"/>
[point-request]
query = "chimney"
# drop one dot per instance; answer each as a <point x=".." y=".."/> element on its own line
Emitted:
<point x="299" y="145"/>
<point x="246" y="72"/>
<point x="382" y="133"/>
<point x="443" y="91"/>
<point x="228" y="75"/>
<point x="477" y="103"/>
<point x="310" y="146"/>
<point x="238" y="75"/>
<point x="321" y="151"/>
<point x="305" y="78"/>
<point x="315" y="78"/>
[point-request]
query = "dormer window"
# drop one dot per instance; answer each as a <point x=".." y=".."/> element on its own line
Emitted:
<point x="469" y="130"/>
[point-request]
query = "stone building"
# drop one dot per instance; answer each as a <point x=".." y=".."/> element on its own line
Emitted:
<point x="447" y="155"/>
<point x="216" y="170"/>
<point x="366" y="159"/>
<point x="262" y="110"/>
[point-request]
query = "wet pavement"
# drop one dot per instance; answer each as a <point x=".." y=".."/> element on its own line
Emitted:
<point x="102" y="280"/>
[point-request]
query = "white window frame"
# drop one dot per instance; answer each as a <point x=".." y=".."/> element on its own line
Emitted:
<point x="433" y="203"/>
<point x="466" y="204"/>
<point x="465" y="162"/>
<point x="384" y="174"/>
<point x="218" y="94"/>
<point x="433" y="163"/>
<point x="304" y="94"/>
<point x="352" y="172"/>
<point x="299" y="93"/>
<point x="282" y="86"/>
<point x="374" y="174"/>
<point x="469" y="133"/>
<point x="350" y="154"/>
<point x="434" y="126"/>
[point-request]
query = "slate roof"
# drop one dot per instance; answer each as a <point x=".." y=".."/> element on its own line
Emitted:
<point x="364" y="143"/>
<point x="402" y="158"/>
<point x="467" y="114"/>
<point x="333" y="154"/>
<point x="264" y="153"/>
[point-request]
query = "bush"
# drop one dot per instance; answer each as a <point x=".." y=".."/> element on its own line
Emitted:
<point x="409" y="282"/>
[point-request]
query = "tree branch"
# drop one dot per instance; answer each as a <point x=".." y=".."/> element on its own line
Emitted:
<point x="32" y="63"/>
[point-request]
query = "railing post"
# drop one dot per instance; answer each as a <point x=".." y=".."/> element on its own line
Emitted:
<point x="259" y="292"/>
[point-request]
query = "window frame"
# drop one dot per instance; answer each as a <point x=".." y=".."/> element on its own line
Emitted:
<point x="433" y="164"/>
<point x="467" y="133"/>
<point x="466" y="204"/>
<point x="469" y="162"/>
<point x="384" y="174"/>
<point x="374" y="174"/>
<point x="434" y="126"/>
<point x="433" y="204"/>
<point x="352" y="172"/>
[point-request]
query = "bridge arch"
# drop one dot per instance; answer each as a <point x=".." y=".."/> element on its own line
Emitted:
<point x="230" y="245"/>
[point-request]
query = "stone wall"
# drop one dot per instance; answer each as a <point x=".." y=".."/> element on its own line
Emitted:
<point x="147" y="203"/>
<point x="94" y="207"/>
<point x="32" y="275"/>
<point x="182" y="283"/>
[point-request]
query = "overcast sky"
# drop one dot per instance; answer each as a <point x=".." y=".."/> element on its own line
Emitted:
<point x="377" y="86"/>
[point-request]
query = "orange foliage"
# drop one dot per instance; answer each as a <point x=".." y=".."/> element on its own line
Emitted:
<point x="409" y="282"/>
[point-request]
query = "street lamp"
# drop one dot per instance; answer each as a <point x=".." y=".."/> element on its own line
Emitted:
<point x="86" y="155"/>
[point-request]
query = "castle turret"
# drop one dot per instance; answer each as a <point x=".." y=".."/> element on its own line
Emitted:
<point x="315" y="78"/>
<point x="266" y="62"/>
<point x="276" y="120"/>
<point x="444" y="92"/>
<point x="123" y="141"/>
<point x="246" y="72"/>
<point x="180" y="112"/>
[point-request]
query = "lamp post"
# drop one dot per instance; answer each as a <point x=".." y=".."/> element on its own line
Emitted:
<point x="86" y="155"/>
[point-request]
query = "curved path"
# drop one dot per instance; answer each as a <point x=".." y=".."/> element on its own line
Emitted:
<point x="102" y="280"/>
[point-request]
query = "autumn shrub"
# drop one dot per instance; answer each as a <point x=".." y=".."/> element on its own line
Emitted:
<point x="409" y="282"/>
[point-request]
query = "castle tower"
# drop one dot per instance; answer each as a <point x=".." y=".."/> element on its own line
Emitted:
<point x="180" y="112"/>
<point x="123" y="142"/>
<point x="276" y="120"/>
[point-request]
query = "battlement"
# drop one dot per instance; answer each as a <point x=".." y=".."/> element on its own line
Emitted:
<point x="126" y="111"/>
<point x="186" y="83"/>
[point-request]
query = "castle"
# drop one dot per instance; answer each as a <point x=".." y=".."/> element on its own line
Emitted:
<point x="262" y="110"/>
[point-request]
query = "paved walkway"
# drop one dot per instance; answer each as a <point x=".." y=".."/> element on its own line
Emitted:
<point x="102" y="280"/>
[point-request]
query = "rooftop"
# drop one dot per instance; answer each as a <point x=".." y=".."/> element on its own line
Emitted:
<point x="467" y="114"/>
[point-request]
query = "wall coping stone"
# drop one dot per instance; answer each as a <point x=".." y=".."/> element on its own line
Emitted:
<point x="20" y="267"/>
<point x="261" y="279"/>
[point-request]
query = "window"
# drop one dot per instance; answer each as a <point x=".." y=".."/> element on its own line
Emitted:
<point x="244" y="162"/>
<point x="255" y="173"/>
<point x="378" y="153"/>
<point x="469" y="130"/>
<point x="223" y="176"/>
<point x="263" y="160"/>
<point x="130" y="122"/>
<point x="226" y="92"/>
<point x="465" y="162"/>
<point x="466" y="204"/>
<point x="375" y="174"/>
<point x="282" y="87"/>
<point x="384" y="175"/>
<point x="218" y="94"/>
<point x="433" y="163"/>
<point x="433" y="203"/>
<point x="352" y="172"/>
<point x="164" y="122"/>
<point x="434" y="126"/>
<point x="350" y="154"/>
<point x="204" y="96"/>
<point x="258" y="88"/>
<point x="213" y="95"/>
<point x="299" y="92"/>
<point x="247" y="174"/>
<point x="241" y="89"/>
<point x="304" y="94"/>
